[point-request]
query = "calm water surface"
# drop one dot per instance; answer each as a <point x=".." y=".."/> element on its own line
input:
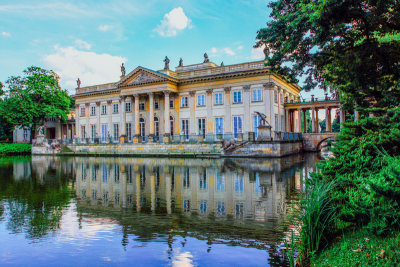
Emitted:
<point x="82" y="211"/>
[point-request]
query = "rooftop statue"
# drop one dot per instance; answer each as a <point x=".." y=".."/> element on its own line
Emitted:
<point x="166" y="60"/>
<point x="206" y="58"/>
<point x="123" y="71"/>
<point x="78" y="82"/>
<point x="180" y="62"/>
<point x="222" y="64"/>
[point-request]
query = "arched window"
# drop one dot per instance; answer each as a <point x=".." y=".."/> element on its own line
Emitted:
<point x="171" y="121"/>
<point x="142" y="127"/>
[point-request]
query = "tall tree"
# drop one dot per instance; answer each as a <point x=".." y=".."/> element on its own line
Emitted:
<point x="352" y="46"/>
<point x="34" y="97"/>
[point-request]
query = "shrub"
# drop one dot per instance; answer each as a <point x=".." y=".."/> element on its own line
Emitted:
<point x="14" y="149"/>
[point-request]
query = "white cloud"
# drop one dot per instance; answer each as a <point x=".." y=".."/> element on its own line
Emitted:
<point x="216" y="52"/>
<point x="173" y="22"/>
<point x="5" y="34"/>
<point x="92" y="68"/>
<point x="105" y="27"/>
<point x="257" y="53"/>
<point x="82" y="44"/>
<point x="240" y="47"/>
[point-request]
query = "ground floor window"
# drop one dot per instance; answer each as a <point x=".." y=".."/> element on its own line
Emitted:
<point x="185" y="128"/>
<point x="276" y="123"/>
<point x="116" y="131"/>
<point x="202" y="127"/>
<point x="256" y="123"/>
<point x="83" y="132"/>
<point x="156" y="127"/>
<point x="237" y="125"/>
<point x="129" y="130"/>
<point x="142" y="127"/>
<point x="93" y="131"/>
<point x="171" y="120"/>
<point x="219" y="126"/>
<point x="103" y="132"/>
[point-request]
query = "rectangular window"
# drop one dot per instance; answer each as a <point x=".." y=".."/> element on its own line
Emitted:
<point x="203" y="206"/>
<point x="219" y="126"/>
<point x="186" y="178"/>
<point x="82" y="112"/>
<point x="218" y="99"/>
<point x="185" y="128"/>
<point x="221" y="208"/>
<point x="237" y="97"/>
<point x="237" y="125"/>
<point x="156" y="105"/>
<point x="115" y="108"/>
<point x="116" y="174"/>
<point x="184" y="102"/>
<point x="93" y="131"/>
<point x="103" y="110"/>
<point x="203" y="181"/>
<point x="104" y="133"/>
<point x="116" y="131"/>
<point x="220" y="182"/>
<point x="26" y="134"/>
<point x="171" y="103"/>
<point x="256" y="123"/>
<point x="141" y="105"/>
<point x="201" y="100"/>
<point x="92" y="110"/>
<point x="83" y="132"/>
<point x="105" y="174"/>
<point x="128" y="107"/>
<point x="202" y="127"/>
<point x="129" y="131"/>
<point x="257" y="95"/>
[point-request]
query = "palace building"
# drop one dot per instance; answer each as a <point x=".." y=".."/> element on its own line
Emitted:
<point x="194" y="100"/>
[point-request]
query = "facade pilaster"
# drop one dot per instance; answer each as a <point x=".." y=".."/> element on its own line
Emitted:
<point x="192" y="106"/>
<point x="228" y="117"/>
<point x="167" y="125"/>
<point x="246" y="102"/>
<point x="137" y="125"/>
<point x="98" y="126"/>
<point x="151" y="113"/>
<point x="123" y="115"/>
<point x="209" y="103"/>
<point x="87" y="113"/>
<point x="77" y="115"/>
<point x="109" y="109"/>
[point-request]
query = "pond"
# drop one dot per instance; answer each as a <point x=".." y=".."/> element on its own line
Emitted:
<point x="62" y="211"/>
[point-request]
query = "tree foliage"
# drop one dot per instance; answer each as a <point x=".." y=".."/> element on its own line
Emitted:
<point x="352" y="46"/>
<point x="34" y="97"/>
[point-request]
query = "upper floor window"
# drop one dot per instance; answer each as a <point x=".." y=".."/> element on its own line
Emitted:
<point x="275" y="96"/>
<point x="92" y="110"/>
<point x="218" y="99"/>
<point x="141" y="105"/>
<point x="115" y="108"/>
<point x="257" y="95"/>
<point x="128" y="107"/>
<point x="281" y="98"/>
<point x="156" y="104"/>
<point x="201" y="100"/>
<point x="103" y="109"/>
<point x="237" y="97"/>
<point x="82" y="112"/>
<point x="184" y="102"/>
<point x="171" y="103"/>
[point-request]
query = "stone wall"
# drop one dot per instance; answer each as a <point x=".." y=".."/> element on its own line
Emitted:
<point x="148" y="149"/>
<point x="268" y="149"/>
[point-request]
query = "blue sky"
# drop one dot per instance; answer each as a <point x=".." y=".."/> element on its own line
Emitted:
<point x="90" y="39"/>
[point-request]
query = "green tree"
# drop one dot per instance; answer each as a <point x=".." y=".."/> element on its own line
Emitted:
<point x="352" y="46"/>
<point x="34" y="97"/>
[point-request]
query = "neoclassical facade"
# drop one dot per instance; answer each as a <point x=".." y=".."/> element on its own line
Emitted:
<point x="201" y="99"/>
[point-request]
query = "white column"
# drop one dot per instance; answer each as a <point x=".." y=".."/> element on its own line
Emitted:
<point x="227" y="118"/>
<point x="167" y="126"/>
<point x="151" y="113"/>
<point x="77" y="126"/>
<point x="98" y="127"/>
<point x="299" y="120"/>
<point x="87" y="111"/>
<point x="137" y="126"/>
<point x="209" y="103"/>
<point x="109" y="132"/>
<point x="192" y="106"/>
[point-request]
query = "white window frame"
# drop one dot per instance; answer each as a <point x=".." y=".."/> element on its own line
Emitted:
<point x="171" y="101"/>
<point x="93" y="130"/>
<point x="257" y="95"/>
<point x="115" y="108"/>
<point x="185" y="127"/>
<point x="82" y="112"/>
<point x="128" y="107"/>
<point x="156" y="104"/>
<point x="184" y="101"/>
<point x="219" y="121"/>
<point x="221" y="98"/>
<point x="103" y="109"/>
<point x="83" y="131"/>
<point x="201" y="100"/>
<point x="92" y="110"/>
<point x="237" y="97"/>
<point x="115" y="131"/>
<point x="142" y="105"/>
<point x="239" y="124"/>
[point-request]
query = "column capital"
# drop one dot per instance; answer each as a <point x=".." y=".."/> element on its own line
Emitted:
<point x="209" y="91"/>
<point x="246" y="88"/>
<point x="227" y="89"/>
<point x="150" y="94"/>
<point x="109" y="102"/>
<point x="268" y="86"/>
<point x="166" y="92"/>
<point x="122" y="98"/>
<point x="98" y="103"/>
<point x="135" y="95"/>
<point x="192" y="93"/>
<point x="87" y="104"/>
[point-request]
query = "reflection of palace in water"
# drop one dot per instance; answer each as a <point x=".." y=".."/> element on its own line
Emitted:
<point x="239" y="188"/>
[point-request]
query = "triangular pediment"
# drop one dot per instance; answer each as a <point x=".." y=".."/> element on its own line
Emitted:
<point x="142" y="76"/>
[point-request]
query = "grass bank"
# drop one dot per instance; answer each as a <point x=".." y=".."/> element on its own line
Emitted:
<point x="14" y="149"/>
<point x="361" y="248"/>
